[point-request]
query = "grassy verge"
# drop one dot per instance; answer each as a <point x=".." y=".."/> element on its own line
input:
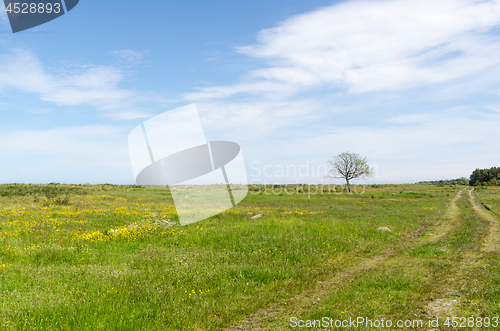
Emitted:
<point x="483" y="286"/>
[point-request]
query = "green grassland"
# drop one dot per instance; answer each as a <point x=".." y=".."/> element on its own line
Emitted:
<point x="105" y="257"/>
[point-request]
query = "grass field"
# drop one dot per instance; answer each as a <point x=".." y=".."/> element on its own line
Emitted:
<point x="107" y="257"/>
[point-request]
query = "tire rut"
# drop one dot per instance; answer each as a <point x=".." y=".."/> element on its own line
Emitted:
<point x="448" y="222"/>
<point x="491" y="242"/>
<point x="446" y="306"/>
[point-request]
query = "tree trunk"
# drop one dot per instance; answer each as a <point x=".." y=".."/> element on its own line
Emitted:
<point x="348" y="186"/>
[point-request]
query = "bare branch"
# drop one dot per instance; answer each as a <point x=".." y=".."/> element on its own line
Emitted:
<point x="349" y="166"/>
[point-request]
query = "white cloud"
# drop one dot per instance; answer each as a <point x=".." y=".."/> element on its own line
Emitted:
<point x="131" y="56"/>
<point x="92" y="153"/>
<point x="255" y="88"/>
<point x="97" y="86"/>
<point x="493" y="107"/>
<point x="63" y="141"/>
<point x="245" y="120"/>
<point x="22" y="70"/>
<point x="422" y="136"/>
<point x="372" y="45"/>
<point x="129" y="114"/>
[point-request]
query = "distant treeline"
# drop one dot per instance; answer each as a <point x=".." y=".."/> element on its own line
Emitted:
<point x="458" y="181"/>
<point x="485" y="177"/>
<point x="479" y="177"/>
<point x="55" y="189"/>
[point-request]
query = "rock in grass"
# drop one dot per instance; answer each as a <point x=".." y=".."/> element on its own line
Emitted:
<point x="383" y="229"/>
<point x="256" y="216"/>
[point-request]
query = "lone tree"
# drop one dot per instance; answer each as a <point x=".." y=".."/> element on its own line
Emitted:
<point x="349" y="166"/>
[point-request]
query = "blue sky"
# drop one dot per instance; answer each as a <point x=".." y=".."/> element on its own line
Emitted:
<point x="411" y="85"/>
